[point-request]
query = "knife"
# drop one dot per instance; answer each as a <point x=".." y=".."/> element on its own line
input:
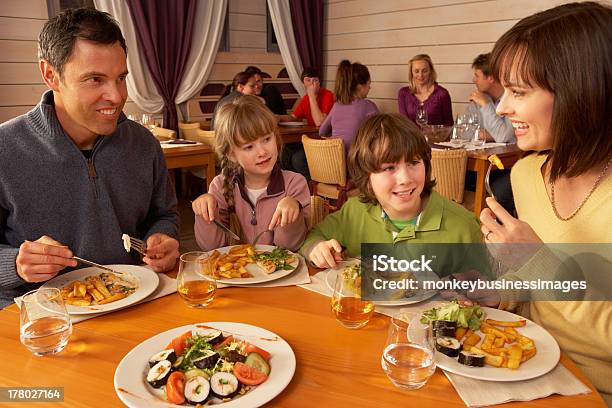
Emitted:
<point x="229" y="231"/>
<point x="85" y="261"/>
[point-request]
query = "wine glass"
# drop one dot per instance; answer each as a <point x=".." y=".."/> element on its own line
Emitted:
<point x="195" y="283"/>
<point x="408" y="357"/>
<point x="44" y="323"/>
<point x="347" y="305"/>
<point x="421" y="116"/>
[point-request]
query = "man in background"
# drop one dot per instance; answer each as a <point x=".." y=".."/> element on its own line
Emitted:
<point x="75" y="173"/>
<point x="318" y="101"/>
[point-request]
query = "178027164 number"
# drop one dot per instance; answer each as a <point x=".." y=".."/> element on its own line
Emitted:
<point x="39" y="394"/>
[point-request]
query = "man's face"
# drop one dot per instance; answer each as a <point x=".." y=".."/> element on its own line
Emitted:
<point x="482" y="82"/>
<point x="90" y="94"/>
<point x="312" y="82"/>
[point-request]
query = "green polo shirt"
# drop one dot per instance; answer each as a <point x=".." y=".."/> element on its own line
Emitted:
<point x="442" y="221"/>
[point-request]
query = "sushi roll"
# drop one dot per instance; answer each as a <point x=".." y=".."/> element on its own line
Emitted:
<point x="212" y="336"/>
<point x="448" y="345"/>
<point x="471" y="359"/>
<point x="208" y="360"/>
<point x="169" y="355"/>
<point x="197" y="390"/>
<point x="224" y="385"/>
<point x="444" y="328"/>
<point x="159" y="373"/>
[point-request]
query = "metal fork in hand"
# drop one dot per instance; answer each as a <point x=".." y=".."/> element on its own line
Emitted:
<point x="487" y="185"/>
<point x="134" y="243"/>
<point x="259" y="236"/>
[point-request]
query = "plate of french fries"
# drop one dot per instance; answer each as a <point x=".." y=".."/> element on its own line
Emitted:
<point x="239" y="264"/>
<point x="93" y="290"/>
<point x="515" y="349"/>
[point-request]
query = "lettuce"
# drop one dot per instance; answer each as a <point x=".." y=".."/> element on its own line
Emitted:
<point x="465" y="316"/>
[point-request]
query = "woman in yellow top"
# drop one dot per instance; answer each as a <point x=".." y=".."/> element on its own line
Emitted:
<point x="557" y="77"/>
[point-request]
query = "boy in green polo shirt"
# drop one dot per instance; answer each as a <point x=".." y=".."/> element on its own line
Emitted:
<point x="390" y="162"/>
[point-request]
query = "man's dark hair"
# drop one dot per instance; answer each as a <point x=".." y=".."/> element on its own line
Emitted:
<point x="58" y="35"/>
<point x="481" y="62"/>
<point x="310" y="72"/>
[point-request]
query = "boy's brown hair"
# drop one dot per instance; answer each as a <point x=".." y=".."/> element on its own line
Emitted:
<point x="386" y="138"/>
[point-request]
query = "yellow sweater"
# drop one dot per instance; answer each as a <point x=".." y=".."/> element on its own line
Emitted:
<point x="582" y="329"/>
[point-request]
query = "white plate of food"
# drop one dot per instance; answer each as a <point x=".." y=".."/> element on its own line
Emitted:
<point x="546" y="356"/>
<point x="292" y="124"/>
<point x="279" y="263"/>
<point x="332" y="275"/>
<point x="134" y="382"/>
<point x="135" y="282"/>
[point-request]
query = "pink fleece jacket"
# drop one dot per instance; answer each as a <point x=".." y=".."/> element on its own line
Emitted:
<point x="256" y="218"/>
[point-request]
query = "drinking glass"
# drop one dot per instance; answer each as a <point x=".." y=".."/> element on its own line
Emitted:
<point x="148" y="121"/>
<point x="421" y="116"/>
<point x="350" y="310"/>
<point x="44" y="323"/>
<point x="457" y="136"/>
<point x="408" y="357"/>
<point x="479" y="137"/>
<point x="194" y="285"/>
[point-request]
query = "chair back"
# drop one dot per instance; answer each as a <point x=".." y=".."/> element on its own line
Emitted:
<point x="326" y="160"/>
<point x="192" y="131"/>
<point x="318" y="210"/>
<point x="163" y="134"/>
<point x="448" y="167"/>
<point x="188" y="129"/>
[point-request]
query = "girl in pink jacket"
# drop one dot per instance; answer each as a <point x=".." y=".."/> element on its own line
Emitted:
<point x="252" y="194"/>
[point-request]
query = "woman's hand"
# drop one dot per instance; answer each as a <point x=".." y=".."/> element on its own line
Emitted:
<point x="205" y="206"/>
<point x="499" y="227"/>
<point x="287" y="211"/>
<point x="326" y="254"/>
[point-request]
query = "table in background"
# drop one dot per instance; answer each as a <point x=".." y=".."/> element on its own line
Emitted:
<point x="478" y="161"/>
<point x="293" y="134"/>
<point x="336" y="367"/>
<point x="191" y="156"/>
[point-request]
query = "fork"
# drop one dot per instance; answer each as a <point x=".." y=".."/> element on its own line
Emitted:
<point x="487" y="185"/>
<point x="259" y="236"/>
<point x="134" y="243"/>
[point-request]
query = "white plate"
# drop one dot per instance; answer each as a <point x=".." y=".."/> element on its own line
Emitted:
<point x="134" y="391"/>
<point x="292" y="124"/>
<point x="332" y="275"/>
<point x="546" y="358"/>
<point x="146" y="279"/>
<point x="259" y="275"/>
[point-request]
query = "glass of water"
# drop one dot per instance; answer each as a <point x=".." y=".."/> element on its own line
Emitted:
<point x="408" y="357"/>
<point x="44" y="325"/>
<point x="421" y="116"/>
<point x="479" y="137"/>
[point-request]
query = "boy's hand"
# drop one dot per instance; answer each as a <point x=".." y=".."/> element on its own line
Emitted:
<point x="326" y="254"/>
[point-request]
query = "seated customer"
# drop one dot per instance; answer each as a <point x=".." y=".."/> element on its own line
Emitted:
<point x="269" y="92"/>
<point x="75" y="173"/>
<point x="351" y="107"/>
<point x="314" y="107"/>
<point x="390" y="162"/>
<point x="244" y="83"/>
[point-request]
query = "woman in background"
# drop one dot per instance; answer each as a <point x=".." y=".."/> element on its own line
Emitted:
<point x="423" y="90"/>
<point x="244" y="83"/>
<point x="351" y="107"/>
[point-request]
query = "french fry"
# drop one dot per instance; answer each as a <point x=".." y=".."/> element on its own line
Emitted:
<point x="485" y="328"/>
<point x="113" y="298"/>
<point x="526" y="343"/>
<point x="460" y="333"/>
<point x="96" y="294"/>
<point x="519" y="323"/>
<point x="514" y="357"/>
<point x="527" y="354"/>
<point x="498" y="351"/>
<point x="490" y="359"/>
<point x="78" y="302"/>
<point x="100" y="287"/>
<point x="499" y="342"/>
<point x="472" y="340"/>
<point x="487" y="343"/>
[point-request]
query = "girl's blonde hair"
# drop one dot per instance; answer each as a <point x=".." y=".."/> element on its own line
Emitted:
<point x="241" y="121"/>
<point x="433" y="75"/>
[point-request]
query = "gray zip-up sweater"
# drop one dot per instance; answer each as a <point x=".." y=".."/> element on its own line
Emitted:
<point x="48" y="187"/>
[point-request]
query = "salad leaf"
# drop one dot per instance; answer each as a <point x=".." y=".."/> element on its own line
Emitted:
<point x="465" y="316"/>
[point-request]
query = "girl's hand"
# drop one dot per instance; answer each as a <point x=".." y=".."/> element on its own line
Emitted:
<point x="326" y="254"/>
<point x="287" y="211"/>
<point x="508" y="230"/>
<point x="205" y="206"/>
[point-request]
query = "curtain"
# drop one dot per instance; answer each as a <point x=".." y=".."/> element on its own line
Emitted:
<point x="280" y="15"/>
<point x="164" y="31"/>
<point x="307" y="19"/>
<point x="210" y="17"/>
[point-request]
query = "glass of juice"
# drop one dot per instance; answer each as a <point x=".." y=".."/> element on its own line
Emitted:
<point x="44" y="323"/>
<point x="194" y="285"/>
<point x="347" y="305"/>
<point x="408" y="357"/>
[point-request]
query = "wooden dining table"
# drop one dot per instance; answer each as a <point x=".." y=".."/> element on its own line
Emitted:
<point x="478" y="161"/>
<point x="336" y="367"/>
<point x="191" y="156"/>
<point x="293" y="134"/>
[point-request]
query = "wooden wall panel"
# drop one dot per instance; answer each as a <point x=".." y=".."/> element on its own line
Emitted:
<point x="12" y="28"/>
<point x="36" y="9"/>
<point x="19" y="73"/>
<point x="18" y="51"/>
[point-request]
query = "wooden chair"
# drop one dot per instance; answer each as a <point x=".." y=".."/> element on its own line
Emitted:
<point x="327" y="166"/>
<point x="192" y="131"/>
<point x="448" y="167"/>
<point x="163" y="134"/>
<point x="318" y="210"/>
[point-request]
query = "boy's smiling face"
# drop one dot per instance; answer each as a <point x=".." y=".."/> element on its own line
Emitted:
<point x="398" y="187"/>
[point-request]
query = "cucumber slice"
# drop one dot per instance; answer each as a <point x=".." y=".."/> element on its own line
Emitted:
<point x="256" y="361"/>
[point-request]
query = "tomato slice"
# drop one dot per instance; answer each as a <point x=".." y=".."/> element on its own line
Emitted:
<point x="225" y="342"/>
<point x="248" y="375"/>
<point x="175" y="388"/>
<point x="179" y="343"/>
<point x="248" y="348"/>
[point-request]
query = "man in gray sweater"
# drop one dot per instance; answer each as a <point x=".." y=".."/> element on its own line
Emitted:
<point x="75" y="174"/>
